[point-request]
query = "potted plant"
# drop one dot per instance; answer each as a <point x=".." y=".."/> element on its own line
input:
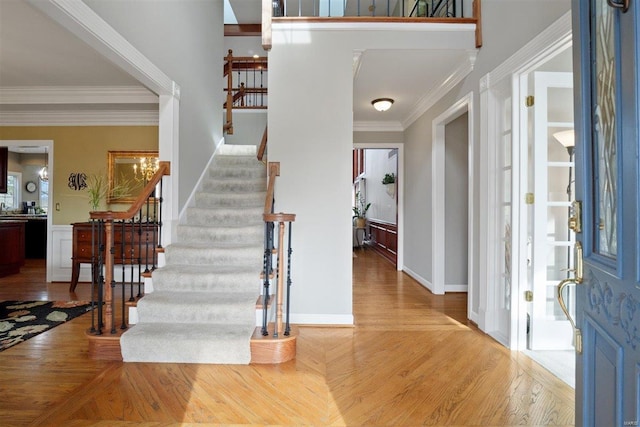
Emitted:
<point x="98" y="189"/>
<point x="389" y="181"/>
<point x="360" y="211"/>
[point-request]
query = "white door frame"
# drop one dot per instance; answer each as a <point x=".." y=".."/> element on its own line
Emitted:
<point x="463" y="105"/>
<point x="556" y="38"/>
<point x="399" y="190"/>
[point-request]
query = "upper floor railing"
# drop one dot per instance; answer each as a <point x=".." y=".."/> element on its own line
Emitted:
<point x="435" y="11"/>
<point x="246" y="86"/>
<point x="372" y="8"/>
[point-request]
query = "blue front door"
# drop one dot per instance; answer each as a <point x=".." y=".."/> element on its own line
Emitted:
<point x="606" y="48"/>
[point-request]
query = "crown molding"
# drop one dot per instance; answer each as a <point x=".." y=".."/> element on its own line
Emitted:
<point x="548" y="42"/>
<point x="77" y="95"/>
<point x="447" y="84"/>
<point x="79" y="118"/>
<point x="87" y="25"/>
<point x="389" y="126"/>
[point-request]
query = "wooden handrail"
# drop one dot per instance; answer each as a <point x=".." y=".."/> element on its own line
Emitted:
<point x="164" y="168"/>
<point x="263" y="145"/>
<point x="477" y="15"/>
<point x="274" y="170"/>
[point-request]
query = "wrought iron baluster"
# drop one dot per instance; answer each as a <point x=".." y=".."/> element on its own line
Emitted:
<point x="287" y="329"/>
<point x="123" y="238"/>
<point x="160" y="200"/>
<point x="268" y="249"/>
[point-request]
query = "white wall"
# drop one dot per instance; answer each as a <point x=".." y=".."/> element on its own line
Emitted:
<point x="504" y="32"/>
<point x="184" y="38"/>
<point x="311" y="135"/>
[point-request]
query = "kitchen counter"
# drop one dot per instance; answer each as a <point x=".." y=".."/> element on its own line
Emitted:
<point x="12" y="216"/>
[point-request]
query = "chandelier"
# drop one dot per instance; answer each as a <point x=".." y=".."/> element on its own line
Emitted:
<point x="44" y="172"/>
<point x="146" y="169"/>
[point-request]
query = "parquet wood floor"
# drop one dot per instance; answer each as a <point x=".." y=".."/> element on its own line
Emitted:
<point x="411" y="359"/>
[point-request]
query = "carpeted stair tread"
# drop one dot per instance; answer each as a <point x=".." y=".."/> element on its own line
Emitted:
<point x="197" y="307"/>
<point x="187" y="343"/>
<point x="231" y="200"/>
<point x="237" y="150"/>
<point x="223" y="278"/>
<point x="234" y="185"/>
<point x="250" y="171"/>
<point x="220" y="254"/>
<point x="224" y="216"/>
<point x="220" y="234"/>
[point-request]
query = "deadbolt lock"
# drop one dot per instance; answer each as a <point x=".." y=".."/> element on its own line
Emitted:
<point x="575" y="221"/>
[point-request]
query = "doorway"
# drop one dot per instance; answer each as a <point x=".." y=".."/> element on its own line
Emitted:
<point x="546" y="112"/>
<point x="506" y="166"/>
<point x="385" y="215"/>
<point x="452" y="187"/>
<point x="35" y="155"/>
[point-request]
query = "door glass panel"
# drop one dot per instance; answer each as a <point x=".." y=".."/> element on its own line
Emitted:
<point x="604" y="130"/>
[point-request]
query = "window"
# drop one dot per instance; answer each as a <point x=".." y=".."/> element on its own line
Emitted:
<point x="44" y="195"/>
<point x="11" y="199"/>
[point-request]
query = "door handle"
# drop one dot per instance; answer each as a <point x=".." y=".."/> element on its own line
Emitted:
<point x="560" y="293"/>
<point x="623" y="4"/>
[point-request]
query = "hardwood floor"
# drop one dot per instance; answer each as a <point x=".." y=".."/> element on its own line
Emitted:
<point x="411" y="359"/>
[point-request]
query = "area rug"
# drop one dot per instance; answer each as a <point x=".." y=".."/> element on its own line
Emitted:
<point x="21" y="320"/>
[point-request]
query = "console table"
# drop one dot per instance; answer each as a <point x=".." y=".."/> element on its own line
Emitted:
<point x="139" y="242"/>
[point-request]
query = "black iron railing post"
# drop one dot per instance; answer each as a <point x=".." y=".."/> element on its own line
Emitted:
<point x="287" y="329"/>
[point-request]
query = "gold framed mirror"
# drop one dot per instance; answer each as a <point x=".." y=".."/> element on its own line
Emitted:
<point x="126" y="169"/>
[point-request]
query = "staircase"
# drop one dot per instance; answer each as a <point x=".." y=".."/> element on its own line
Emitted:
<point x="203" y="307"/>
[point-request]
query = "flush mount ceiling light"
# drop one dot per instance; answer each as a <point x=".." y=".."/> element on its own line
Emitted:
<point x="382" y="104"/>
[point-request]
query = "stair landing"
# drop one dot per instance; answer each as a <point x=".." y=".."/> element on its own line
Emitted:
<point x="264" y="349"/>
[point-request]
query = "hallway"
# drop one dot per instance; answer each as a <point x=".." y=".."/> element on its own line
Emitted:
<point x="411" y="359"/>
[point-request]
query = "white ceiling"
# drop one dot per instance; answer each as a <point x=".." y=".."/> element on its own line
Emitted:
<point x="37" y="52"/>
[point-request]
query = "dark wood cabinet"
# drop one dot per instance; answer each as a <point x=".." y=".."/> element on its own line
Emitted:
<point x="384" y="239"/>
<point x="133" y="244"/>
<point x="36" y="238"/>
<point x="4" y="168"/>
<point x="12" y="238"/>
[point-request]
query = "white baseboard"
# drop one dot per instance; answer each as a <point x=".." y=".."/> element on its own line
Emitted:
<point x="322" y="319"/>
<point x="455" y="288"/>
<point x="424" y="282"/>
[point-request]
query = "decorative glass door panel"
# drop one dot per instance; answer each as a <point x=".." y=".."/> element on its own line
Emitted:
<point x="606" y="41"/>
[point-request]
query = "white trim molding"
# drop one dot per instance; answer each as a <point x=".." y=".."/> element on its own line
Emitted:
<point x="78" y="118"/>
<point x="389" y="126"/>
<point x="28" y="95"/>
<point x="87" y="25"/>
<point x="448" y="83"/>
<point x="322" y="319"/>
<point x="418" y="278"/>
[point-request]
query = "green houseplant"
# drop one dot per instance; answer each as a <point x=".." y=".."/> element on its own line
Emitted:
<point x="98" y="188"/>
<point x="389" y="181"/>
<point x="360" y="210"/>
